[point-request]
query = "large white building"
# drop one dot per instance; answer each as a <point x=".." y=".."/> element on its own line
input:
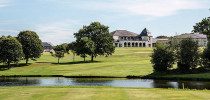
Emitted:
<point x="124" y="38"/>
<point x="201" y="39"/>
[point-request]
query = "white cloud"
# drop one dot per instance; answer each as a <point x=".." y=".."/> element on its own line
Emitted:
<point x="4" y="3"/>
<point x="155" y="8"/>
<point x="57" y="32"/>
<point x="8" y="31"/>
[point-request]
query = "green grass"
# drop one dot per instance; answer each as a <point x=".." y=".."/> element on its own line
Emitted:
<point x="124" y="62"/>
<point x="99" y="93"/>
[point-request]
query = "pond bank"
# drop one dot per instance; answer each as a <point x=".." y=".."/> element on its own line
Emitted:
<point x="128" y="77"/>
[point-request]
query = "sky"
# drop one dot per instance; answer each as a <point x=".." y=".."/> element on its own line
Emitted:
<point x="56" y="21"/>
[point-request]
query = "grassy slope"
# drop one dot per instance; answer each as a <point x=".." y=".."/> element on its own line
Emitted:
<point x="99" y="93"/>
<point x="125" y="61"/>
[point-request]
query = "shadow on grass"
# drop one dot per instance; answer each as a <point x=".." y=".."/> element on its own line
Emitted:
<point x="76" y="62"/>
<point x="5" y="67"/>
<point x="43" y="62"/>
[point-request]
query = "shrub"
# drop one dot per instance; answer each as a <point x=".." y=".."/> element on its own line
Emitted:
<point x="163" y="57"/>
<point x="188" y="55"/>
<point x="205" y="62"/>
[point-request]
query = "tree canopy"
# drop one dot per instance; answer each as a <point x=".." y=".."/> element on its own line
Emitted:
<point x="10" y="50"/>
<point x="163" y="37"/>
<point x="59" y="51"/>
<point x="99" y="34"/>
<point x="203" y="27"/>
<point x="85" y="46"/>
<point x="188" y="55"/>
<point x="163" y="57"/>
<point x="32" y="45"/>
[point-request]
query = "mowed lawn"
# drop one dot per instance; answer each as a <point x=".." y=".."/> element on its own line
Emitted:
<point x="124" y="62"/>
<point x="99" y="93"/>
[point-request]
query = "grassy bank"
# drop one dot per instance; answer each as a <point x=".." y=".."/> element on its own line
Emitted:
<point x="99" y="93"/>
<point x="124" y="62"/>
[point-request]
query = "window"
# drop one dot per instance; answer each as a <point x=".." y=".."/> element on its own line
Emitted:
<point x="204" y="40"/>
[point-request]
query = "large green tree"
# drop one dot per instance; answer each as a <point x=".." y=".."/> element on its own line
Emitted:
<point x="85" y="46"/>
<point x="163" y="57"/>
<point x="203" y="27"/>
<point x="32" y="45"/>
<point x="59" y="51"/>
<point x="188" y="55"/>
<point x="10" y="50"/>
<point x="99" y="34"/>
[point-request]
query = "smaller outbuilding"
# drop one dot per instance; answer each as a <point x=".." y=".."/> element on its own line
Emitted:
<point x="48" y="46"/>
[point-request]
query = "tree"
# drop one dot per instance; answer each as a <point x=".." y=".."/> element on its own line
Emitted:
<point x="163" y="37"/>
<point x="10" y="50"/>
<point x="59" y="51"/>
<point x="32" y="45"/>
<point x="163" y="57"/>
<point x="203" y="27"/>
<point x="99" y="34"/>
<point x="72" y="46"/>
<point x="85" y="46"/>
<point x="205" y="61"/>
<point x="66" y="47"/>
<point x="188" y="55"/>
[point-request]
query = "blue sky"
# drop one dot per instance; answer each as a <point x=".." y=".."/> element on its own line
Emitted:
<point x="56" y="20"/>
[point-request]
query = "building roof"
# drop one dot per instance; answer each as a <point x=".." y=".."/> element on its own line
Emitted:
<point x="145" y="32"/>
<point x="47" y="44"/>
<point x="195" y="36"/>
<point x="123" y="33"/>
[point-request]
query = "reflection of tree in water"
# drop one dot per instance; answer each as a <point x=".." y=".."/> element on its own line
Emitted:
<point x="178" y="84"/>
<point x="18" y="81"/>
<point x="194" y="85"/>
<point x="92" y="81"/>
<point x="163" y="84"/>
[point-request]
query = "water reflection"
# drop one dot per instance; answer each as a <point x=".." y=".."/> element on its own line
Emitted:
<point x="18" y="81"/>
<point x="120" y="82"/>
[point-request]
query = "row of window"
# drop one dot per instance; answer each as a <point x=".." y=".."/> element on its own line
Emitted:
<point x="132" y="45"/>
<point x="135" y="38"/>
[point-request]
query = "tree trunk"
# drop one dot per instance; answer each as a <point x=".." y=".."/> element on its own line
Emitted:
<point x="208" y="41"/>
<point x="92" y="58"/>
<point x="58" y="60"/>
<point x="84" y="59"/>
<point x="26" y="61"/>
<point x="8" y="63"/>
<point x="73" y="56"/>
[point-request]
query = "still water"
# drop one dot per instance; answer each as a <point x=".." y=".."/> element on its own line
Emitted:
<point x="118" y="82"/>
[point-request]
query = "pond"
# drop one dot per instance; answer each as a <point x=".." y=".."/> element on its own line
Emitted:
<point x="118" y="82"/>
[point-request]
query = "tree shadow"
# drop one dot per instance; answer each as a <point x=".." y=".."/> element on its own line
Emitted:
<point x="76" y="62"/>
<point x="43" y="62"/>
<point x="5" y="67"/>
